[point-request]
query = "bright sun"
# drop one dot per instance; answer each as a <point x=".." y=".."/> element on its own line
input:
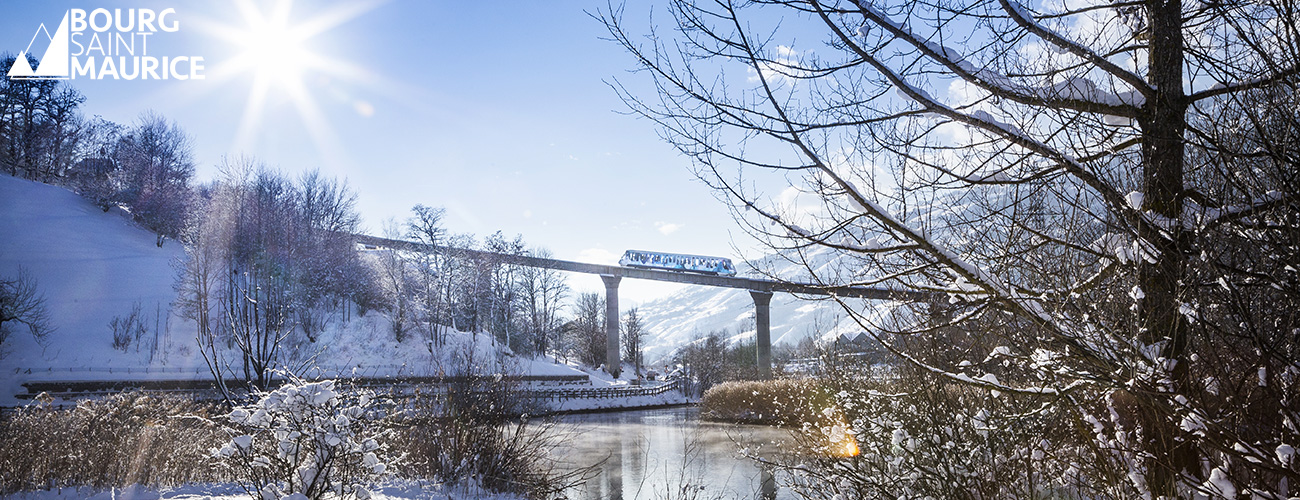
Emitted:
<point x="275" y="52"/>
<point x="274" y="55"/>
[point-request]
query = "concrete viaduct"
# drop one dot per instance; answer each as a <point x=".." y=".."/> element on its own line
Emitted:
<point x="761" y="290"/>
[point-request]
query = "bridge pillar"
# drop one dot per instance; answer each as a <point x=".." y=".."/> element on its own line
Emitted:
<point x="613" y="363"/>
<point x="763" y="333"/>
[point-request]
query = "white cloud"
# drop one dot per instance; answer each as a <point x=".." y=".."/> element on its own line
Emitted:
<point x="784" y="64"/>
<point x="599" y="256"/>
<point x="799" y="206"/>
<point x="667" y="228"/>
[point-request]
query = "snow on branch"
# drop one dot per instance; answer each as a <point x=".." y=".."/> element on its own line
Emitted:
<point x="999" y="291"/>
<point x="967" y="271"/>
<point x="986" y="381"/>
<point x="1069" y="163"/>
<point x="1074" y="93"/>
<point x="1026" y="20"/>
<point x="1195" y="216"/>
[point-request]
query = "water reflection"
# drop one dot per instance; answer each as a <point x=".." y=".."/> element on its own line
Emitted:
<point x="669" y="453"/>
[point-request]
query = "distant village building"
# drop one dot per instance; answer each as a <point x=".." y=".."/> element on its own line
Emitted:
<point x="855" y="342"/>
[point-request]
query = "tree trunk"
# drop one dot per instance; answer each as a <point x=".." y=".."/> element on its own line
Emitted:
<point x="1160" y="321"/>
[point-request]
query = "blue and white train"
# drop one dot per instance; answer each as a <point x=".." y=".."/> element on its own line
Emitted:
<point x="678" y="262"/>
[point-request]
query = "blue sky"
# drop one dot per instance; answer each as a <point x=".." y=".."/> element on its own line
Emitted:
<point x="497" y="111"/>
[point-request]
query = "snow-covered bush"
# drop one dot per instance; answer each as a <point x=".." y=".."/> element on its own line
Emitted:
<point x="919" y="436"/>
<point x="307" y="440"/>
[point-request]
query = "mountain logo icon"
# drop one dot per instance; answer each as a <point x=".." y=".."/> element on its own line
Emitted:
<point x="53" y="63"/>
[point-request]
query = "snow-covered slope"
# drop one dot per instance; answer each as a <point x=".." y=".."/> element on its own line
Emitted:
<point x="93" y="266"/>
<point x="696" y="311"/>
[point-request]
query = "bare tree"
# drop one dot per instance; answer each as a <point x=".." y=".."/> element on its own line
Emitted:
<point x="633" y="338"/>
<point x="256" y="304"/>
<point x="63" y="132"/>
<point x="461" y="284"/>
<point x="201" y="276"/>
<point x="1075" y="176"/>
<point x="269" y="258"/>
<point x="257" y="314"/>
<point x="40" y="126"/>
<point x="327" y="267"/>
<point x="95" y="175"/>
<point x="425" y="227"/>
<point x="156" y="162"/>
<point x="501" y="289"/>
<point x="587" y="329"/>
<point x="22" y="303"/>
<point x="704" y="361"/>
<point x="398" y="283"/>
<point x="543" y="292"/>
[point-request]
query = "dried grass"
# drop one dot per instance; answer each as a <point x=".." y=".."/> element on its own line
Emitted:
<point x="791" y="402"/>
<point x="130" y="438"/>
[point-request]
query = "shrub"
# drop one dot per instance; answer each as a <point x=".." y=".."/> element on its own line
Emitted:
<point x="127" y="328"/>
<point x="306" y="439"/>
<point x="780" y="402"/>
<point x="450" y="436"/>
<point x="303" y="440"/>
<point x="22" y="303"/>
<point x="921" y="436"/>
<point x="486" y="399"/>
<point x="512" y="459"/>
<point x="129" y="438"/>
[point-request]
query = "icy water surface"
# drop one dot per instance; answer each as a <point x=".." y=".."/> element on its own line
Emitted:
<point x="652" y="454"/>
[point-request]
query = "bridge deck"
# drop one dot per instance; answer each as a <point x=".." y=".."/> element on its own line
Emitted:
<point x="759" y="285"/>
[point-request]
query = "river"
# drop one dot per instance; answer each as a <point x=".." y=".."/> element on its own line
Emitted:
<point x="663" y="453"/>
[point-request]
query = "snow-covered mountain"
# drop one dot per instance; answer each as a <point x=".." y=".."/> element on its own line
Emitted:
<point x="673" y="321"/>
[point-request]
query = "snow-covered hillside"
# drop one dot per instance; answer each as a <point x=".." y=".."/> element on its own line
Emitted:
<point x="93" y="266"/>
<point x="696" y="311"/>
<point x="90" y="265"/>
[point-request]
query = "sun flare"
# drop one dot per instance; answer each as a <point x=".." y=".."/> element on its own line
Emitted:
<point x="841" y="442"/>
<point x="273" y="52"/>
<point x="276" y="53"/>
